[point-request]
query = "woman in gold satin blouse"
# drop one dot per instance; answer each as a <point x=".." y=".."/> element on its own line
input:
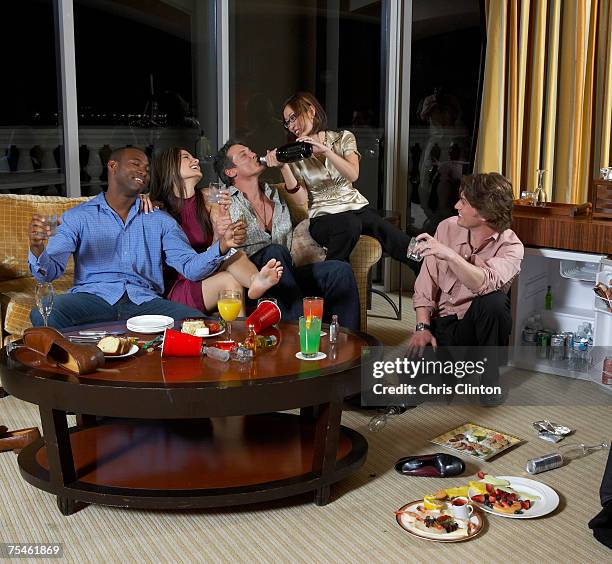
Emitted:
<point x="338" y="212"/>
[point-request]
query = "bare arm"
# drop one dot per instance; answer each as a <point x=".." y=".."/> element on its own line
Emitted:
<point x="300" y="197"/>
<point x="347" y="166"/>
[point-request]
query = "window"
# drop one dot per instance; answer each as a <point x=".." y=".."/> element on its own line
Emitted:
<point x="31" y="154"/>
<point x="444" y="89"/>
<point x="144" y="78"/>
<point x="331" y="48"/>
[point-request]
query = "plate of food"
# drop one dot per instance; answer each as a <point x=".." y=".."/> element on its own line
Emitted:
<point x="202" y="327"/>
<point x="476" y="441"/>
<point x="117" y="347"/>
<point x="439" y="525"/>
<point x="512" y="496"/>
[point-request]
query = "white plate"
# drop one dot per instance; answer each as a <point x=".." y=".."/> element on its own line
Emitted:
<point x="131" y="352"/>
<point x="207" y="336"/>
<point x="403" y="521"/>
<point x="149" y="323"/>
<point x="548" y="502"/>
<point x="319" y="356"/>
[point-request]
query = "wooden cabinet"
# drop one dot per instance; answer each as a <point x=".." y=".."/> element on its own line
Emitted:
<point x="602" y="199"/>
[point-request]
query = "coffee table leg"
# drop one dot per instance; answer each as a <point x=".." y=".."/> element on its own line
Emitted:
<point x="323" y="496"/>
<point x="84" y="420"/>
<point x="327" y="432"/>
<point x="59" y="454"/>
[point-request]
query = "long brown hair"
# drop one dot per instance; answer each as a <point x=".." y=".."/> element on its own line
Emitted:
<point x="300" y="102"/>
<point x="165" y="176"/>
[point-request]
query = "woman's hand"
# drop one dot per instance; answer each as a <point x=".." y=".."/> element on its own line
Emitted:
<point x="318" y="148"/>
<point x="147" y="205"/>
<point x="272" y="161"/>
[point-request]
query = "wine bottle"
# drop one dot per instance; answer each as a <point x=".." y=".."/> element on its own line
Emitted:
<point x="291" y="152"/>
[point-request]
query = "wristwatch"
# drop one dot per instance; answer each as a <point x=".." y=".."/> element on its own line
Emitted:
<point x="422" y="327"/>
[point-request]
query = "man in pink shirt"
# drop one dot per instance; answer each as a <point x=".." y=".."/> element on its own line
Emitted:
<point x="460" y="295"/>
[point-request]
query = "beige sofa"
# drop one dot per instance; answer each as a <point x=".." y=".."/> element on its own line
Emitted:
<point x="17" y="285"/>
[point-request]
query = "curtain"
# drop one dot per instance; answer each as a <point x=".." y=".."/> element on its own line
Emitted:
<point x="547" y="94"/>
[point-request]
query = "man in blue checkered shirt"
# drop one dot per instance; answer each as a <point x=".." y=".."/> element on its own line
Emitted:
<point x="119" y="251"/>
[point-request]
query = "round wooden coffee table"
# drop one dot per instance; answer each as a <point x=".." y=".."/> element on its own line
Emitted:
<point x="175" y="433"/>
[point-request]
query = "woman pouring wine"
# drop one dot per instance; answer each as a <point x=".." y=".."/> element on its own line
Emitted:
<point x="338" y="212"/>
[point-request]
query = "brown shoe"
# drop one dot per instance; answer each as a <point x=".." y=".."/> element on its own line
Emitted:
<point x="16" y="440"/>
<point x="74" y="357"/>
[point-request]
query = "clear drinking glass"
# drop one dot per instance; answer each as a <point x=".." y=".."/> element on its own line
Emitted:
<point x="578" y="450"/>
<point x="229" y="305"/>
<point x="413" y="250"/>
<point x="310" y="336"/>
<point x="214" y="190"/>
<point x="45" y="295"/>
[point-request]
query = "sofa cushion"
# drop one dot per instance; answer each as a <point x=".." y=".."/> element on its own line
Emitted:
<point x="17" y="298"/>
<point x="304" y="249"/>
<point x="15" y="215"/>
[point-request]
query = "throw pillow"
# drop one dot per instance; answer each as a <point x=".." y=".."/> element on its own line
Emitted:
<point x="304" y="249"/>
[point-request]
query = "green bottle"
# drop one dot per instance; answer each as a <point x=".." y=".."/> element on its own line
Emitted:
<point x="548" y="299"/>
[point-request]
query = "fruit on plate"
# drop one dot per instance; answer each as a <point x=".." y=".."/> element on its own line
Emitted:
<point x="488" y="479"/>
<point x="500" y="497"/>
<point x="431" y="503"/>
<point x="457" y="492"/>
<point x="480" y="487"/>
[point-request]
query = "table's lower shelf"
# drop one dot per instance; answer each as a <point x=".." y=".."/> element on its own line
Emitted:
<point x="193" y="463"/>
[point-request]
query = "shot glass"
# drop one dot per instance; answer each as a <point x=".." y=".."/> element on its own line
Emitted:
<point x="51" y="221"/>
<point x="310" y="336"/>
<point x="413" y="250"/>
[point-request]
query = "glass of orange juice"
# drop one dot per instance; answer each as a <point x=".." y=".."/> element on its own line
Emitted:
<point x="229" y="305"/>
<point x="313" y="307"/>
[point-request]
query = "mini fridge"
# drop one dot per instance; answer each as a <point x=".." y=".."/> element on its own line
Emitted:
<point x="571" y="276"/>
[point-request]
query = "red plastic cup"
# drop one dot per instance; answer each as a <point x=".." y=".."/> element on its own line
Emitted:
<point x="177" y="343"/>
<point x="266" y="314"/>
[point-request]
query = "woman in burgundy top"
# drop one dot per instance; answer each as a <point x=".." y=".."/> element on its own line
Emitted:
<point x="174" y="176"/>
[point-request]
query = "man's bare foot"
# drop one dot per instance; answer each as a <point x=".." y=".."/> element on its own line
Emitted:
<point x="267" y="277"/>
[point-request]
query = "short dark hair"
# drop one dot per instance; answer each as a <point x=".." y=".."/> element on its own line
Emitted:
<point x="117" y="154"/>
<point x="223" y="162"/>
<point x="492" y="195"/>
<point x="300" y="102"/>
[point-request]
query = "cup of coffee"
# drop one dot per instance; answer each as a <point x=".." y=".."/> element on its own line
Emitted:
<point x="461" y="508"/>
<point x="267" y="313"/>
<point x="413" y="250"/>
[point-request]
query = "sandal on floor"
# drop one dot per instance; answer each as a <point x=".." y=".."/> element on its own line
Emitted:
<point x="16" y="440"/>
<point x="74" y="357"/>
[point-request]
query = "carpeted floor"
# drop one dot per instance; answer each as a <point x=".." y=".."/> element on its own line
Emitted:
<point x="359" y="525"/>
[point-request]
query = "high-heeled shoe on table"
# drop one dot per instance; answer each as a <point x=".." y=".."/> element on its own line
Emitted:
<point x="17" y="440"/>
<point x="74" y="357"/>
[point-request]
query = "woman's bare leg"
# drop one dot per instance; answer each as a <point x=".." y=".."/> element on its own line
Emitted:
<point x="246" y="273"/>
<point x="212" y="285"/>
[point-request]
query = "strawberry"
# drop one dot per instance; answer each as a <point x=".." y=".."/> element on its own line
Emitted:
<point x="481" y="475"/>
<point x="489" y="488"/>
<point x="492" y="499"/>
<point x="480" y="498"/>
<point x="214" y="327"/>
<point x="526" y="504"/>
